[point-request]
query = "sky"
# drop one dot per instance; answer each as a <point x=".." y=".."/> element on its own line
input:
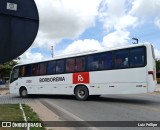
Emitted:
<point x="72" y="26"/>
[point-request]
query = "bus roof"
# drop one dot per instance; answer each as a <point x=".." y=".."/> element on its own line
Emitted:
<point x="86" y="53"/>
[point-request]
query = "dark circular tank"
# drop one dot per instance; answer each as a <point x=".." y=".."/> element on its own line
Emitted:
<point x="19" y="23"/>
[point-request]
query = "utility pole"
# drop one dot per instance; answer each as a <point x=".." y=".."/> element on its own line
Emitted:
<point x="52" y="51"/>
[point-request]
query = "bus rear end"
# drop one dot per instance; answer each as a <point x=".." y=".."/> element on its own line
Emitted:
<point x="151" y="68"/>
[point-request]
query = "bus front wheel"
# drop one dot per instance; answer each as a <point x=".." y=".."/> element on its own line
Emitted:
<point x="23" y="93"/>
<point x="81" y="93"/>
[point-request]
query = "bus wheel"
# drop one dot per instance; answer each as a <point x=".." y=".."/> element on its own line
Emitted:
<point x="23" y="93"/>
<point x="81" y="93"/>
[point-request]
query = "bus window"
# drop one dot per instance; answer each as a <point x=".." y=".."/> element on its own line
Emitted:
<point x="93" y="62"/>
<point x="60" y="66"/>
<point x="28" y="70"/>
<point x="137" y="57"/>
<point x="51" y="68"/>
<point x="105" y="61"/>
<point x="23" y="71"/>
<point x="35" y="69"/>
<point x="70" y="65"/>
<point x="121" y="59"/>
<point x="15" y="74"/>
<point x="80" y="64"/>
<point x="42" y="68"/>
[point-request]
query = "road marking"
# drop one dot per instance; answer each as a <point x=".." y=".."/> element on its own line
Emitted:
<point x="24" y="115"/>
<point x="68" y="113"/>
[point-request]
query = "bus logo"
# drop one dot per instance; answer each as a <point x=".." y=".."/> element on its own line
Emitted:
<point x="82" y="77"/>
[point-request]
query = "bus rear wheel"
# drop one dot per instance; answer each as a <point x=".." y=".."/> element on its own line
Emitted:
<point x="81" y="93"/>
<point x="23" y="93"/>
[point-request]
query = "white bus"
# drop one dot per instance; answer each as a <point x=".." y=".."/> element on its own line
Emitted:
<point x="125" y="70"/>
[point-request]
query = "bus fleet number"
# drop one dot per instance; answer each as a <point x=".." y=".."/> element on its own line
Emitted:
<point x="28" y="81"/>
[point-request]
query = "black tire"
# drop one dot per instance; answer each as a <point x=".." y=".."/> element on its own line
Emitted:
<point x="81" y="93"/>
<point x="23" y="93"/>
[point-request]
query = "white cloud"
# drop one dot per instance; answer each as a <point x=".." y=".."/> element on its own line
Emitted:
<point x="157" y="22"/>
<point x="125" y="21"/>
<point x="112" y="7"/>
<point x="114" y="15"/>
<point x="145" y="8"/>
<point x="61" y="19"/>
<point x="42" y="41"/>
<point x="29" y="56"/>
<point x="147" y="11"/>
<point x="115" y="39"/>
<point x="64" y="19"/>
<point x="85" y="45"/>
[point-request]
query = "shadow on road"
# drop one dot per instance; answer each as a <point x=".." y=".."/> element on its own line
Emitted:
<point x="105" y="99"/>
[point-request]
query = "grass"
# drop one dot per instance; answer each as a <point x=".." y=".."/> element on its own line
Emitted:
<point x="31" y="116"/>
<point x="12" y="112"/>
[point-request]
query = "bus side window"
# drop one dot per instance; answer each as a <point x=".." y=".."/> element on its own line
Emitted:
<point x="121" y="59"/>
<point x="70" y="65"/>
<point x="28" y="70"/>
<point x="93" y="62"/>
<point x="60" y="66"/>
<point x="51" y="68"/>
<point x="35" y="69"/>
<point x="42" y="68"/>
<point x="80" y="64"/>
<point x="23" y="71"/>
<point x="137" y="57"/>
<point x="105" y="61"/>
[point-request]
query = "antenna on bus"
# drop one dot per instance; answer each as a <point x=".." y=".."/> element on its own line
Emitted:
<point x="136" y="40"/>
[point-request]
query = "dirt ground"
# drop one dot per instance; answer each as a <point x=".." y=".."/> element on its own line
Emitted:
<point x="4" y="91"/>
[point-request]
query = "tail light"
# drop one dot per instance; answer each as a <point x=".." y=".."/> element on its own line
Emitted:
<point x="152" y="73"/>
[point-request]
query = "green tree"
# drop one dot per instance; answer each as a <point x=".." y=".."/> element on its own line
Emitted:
<point x="158" y="65"/>
<point x="6" y="68"/>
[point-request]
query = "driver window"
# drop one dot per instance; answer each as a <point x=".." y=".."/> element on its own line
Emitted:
<point x="15" y="74"/>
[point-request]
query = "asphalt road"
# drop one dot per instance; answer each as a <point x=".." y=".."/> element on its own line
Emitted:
<point x="140" y="107"/>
